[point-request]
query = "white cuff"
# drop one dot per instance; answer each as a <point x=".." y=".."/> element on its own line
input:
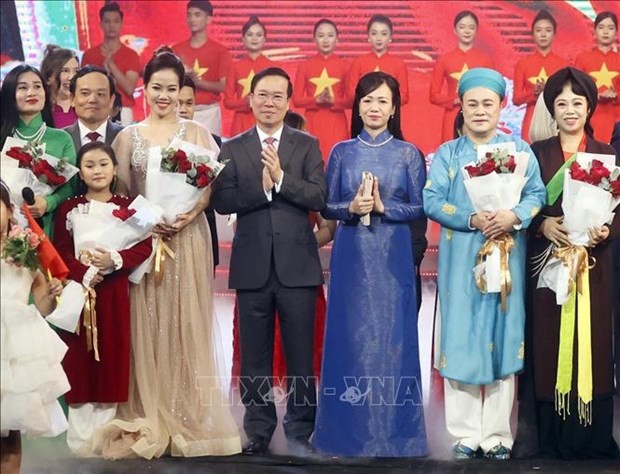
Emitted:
<point x="89" y="275"/>
<point x="269" y="196"/>
<point x="279" y="183"/>
<point x="469" y="221"/>
<point x="117" y="259"/>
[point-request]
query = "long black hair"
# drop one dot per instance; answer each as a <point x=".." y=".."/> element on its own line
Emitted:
<point x="368" y="83"/>
<point x="9" y="115"/>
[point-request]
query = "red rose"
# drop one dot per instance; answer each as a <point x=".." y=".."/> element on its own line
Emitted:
<point x="598" y="172"/>
<point x="123" y="213"/>
<point x="487" y="167"/>
<point x="24" y="158"/>
<point x="179" y="156"/>
<point x="184" y="166"/>
<point x="578" y="173"/>
<point x="511" y="164"/>
<point x="203" y="181"/>
<point x="473" y="171"/>
<point x="615" y="188"/>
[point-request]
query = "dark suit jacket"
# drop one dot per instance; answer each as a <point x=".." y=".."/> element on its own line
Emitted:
<point x="280" y="230"/>
<point x="112" y="130"/>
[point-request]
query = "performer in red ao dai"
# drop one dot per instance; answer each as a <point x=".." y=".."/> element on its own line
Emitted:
<point x="451" y="66"/>
<point x="532" y="71"/>
<point x="236" y="96"/>
<point x="603" y="64"/>
<point x="320" y="88"/>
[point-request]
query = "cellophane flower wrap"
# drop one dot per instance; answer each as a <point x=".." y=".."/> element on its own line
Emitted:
<point x="494" y="182"/>
<point x="177" y="176"/>
<point x="25" y="164"/>
<point x="110" y="226"/>
<point x="590" y="194"/>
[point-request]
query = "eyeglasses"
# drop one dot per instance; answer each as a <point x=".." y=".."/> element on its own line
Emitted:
<point x="277" y="98"/>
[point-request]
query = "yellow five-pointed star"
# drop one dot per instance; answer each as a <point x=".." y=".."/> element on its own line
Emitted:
<point x="377" y="69"/>
<point x="604" y="76"/>
<point x="199" y="70"/>
<point x="324" y="82"/>
<point x="542" y="76"/>
<point x="457" y="75"/>
<point x="246" y="82"/>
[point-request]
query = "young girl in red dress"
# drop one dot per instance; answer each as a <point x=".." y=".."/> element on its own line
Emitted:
<point x="603" y="64"/>
<point x="236" y="95"/>
<point x="97" y="386"/>
<point x="450" y="66"/>
<point x="320" y="88"/>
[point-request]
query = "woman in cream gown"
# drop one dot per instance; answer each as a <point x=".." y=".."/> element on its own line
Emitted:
<point x="176" y="404"/>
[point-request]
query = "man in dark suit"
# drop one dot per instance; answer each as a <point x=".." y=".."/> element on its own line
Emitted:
<point x="92" y="94"/>
<point x="273" y="178"/>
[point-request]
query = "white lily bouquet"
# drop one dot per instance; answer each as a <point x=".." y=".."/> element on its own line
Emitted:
<point x="494" y="182"/>
<point x="590" y="193"/>
<point x="177" y="176"/>
<point x="25" y="164"/>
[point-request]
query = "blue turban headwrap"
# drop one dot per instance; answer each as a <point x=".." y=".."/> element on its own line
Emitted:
<point x="482" y="77"/>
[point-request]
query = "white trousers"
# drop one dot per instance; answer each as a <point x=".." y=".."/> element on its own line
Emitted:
<point x="209" y="116"/>
<point x="126" y="116"/>
<point x="476" y="421"/>
<point x="84" y="419"/>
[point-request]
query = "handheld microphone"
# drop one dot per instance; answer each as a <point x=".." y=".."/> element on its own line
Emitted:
<point x="28" y="196"/>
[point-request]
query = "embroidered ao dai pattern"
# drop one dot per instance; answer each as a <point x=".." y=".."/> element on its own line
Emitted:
<point x="371" y="393"/>
<point x="478" y="342"/>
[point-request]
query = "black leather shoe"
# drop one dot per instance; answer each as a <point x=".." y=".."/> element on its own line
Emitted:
<point x="256" y="446"/>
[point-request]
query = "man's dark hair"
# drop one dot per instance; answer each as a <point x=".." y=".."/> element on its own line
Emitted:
<point x="204" y="5"/>
<point x="272" y="71"/>
<point x="189" y="82"/>
<point x="110" y="7"/>
<point x="89" y="68"/>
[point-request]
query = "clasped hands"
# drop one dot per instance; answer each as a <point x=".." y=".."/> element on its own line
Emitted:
<point x="494" y="224"/>
<point x="272" y="172"/>
<point x="553" y="229"/>
<point x="167" y="231"/>
<point x="363" y="205"/>
<point x="102" y="259"/>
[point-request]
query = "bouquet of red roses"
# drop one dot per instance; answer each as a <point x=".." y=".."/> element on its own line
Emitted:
<point x="591" y="193"/>
<point x="197" y="173"/>
<point x="176" y="176"/>
<point x="25" y="164"/>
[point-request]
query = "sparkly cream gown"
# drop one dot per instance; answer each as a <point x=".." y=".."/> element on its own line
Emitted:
<point x="176" y="403"/>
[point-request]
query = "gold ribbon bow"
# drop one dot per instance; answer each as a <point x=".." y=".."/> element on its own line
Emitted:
<point x="505" y="244"/>
<point x="160" y="258"/>
<point x="576" y="259"/>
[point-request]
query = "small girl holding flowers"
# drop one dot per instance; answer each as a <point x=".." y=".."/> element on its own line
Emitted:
<point x="31" y="352"/>
<point x="97" y="363"/>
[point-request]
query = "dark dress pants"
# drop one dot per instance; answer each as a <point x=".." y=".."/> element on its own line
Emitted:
<point x="296" y="310"/>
